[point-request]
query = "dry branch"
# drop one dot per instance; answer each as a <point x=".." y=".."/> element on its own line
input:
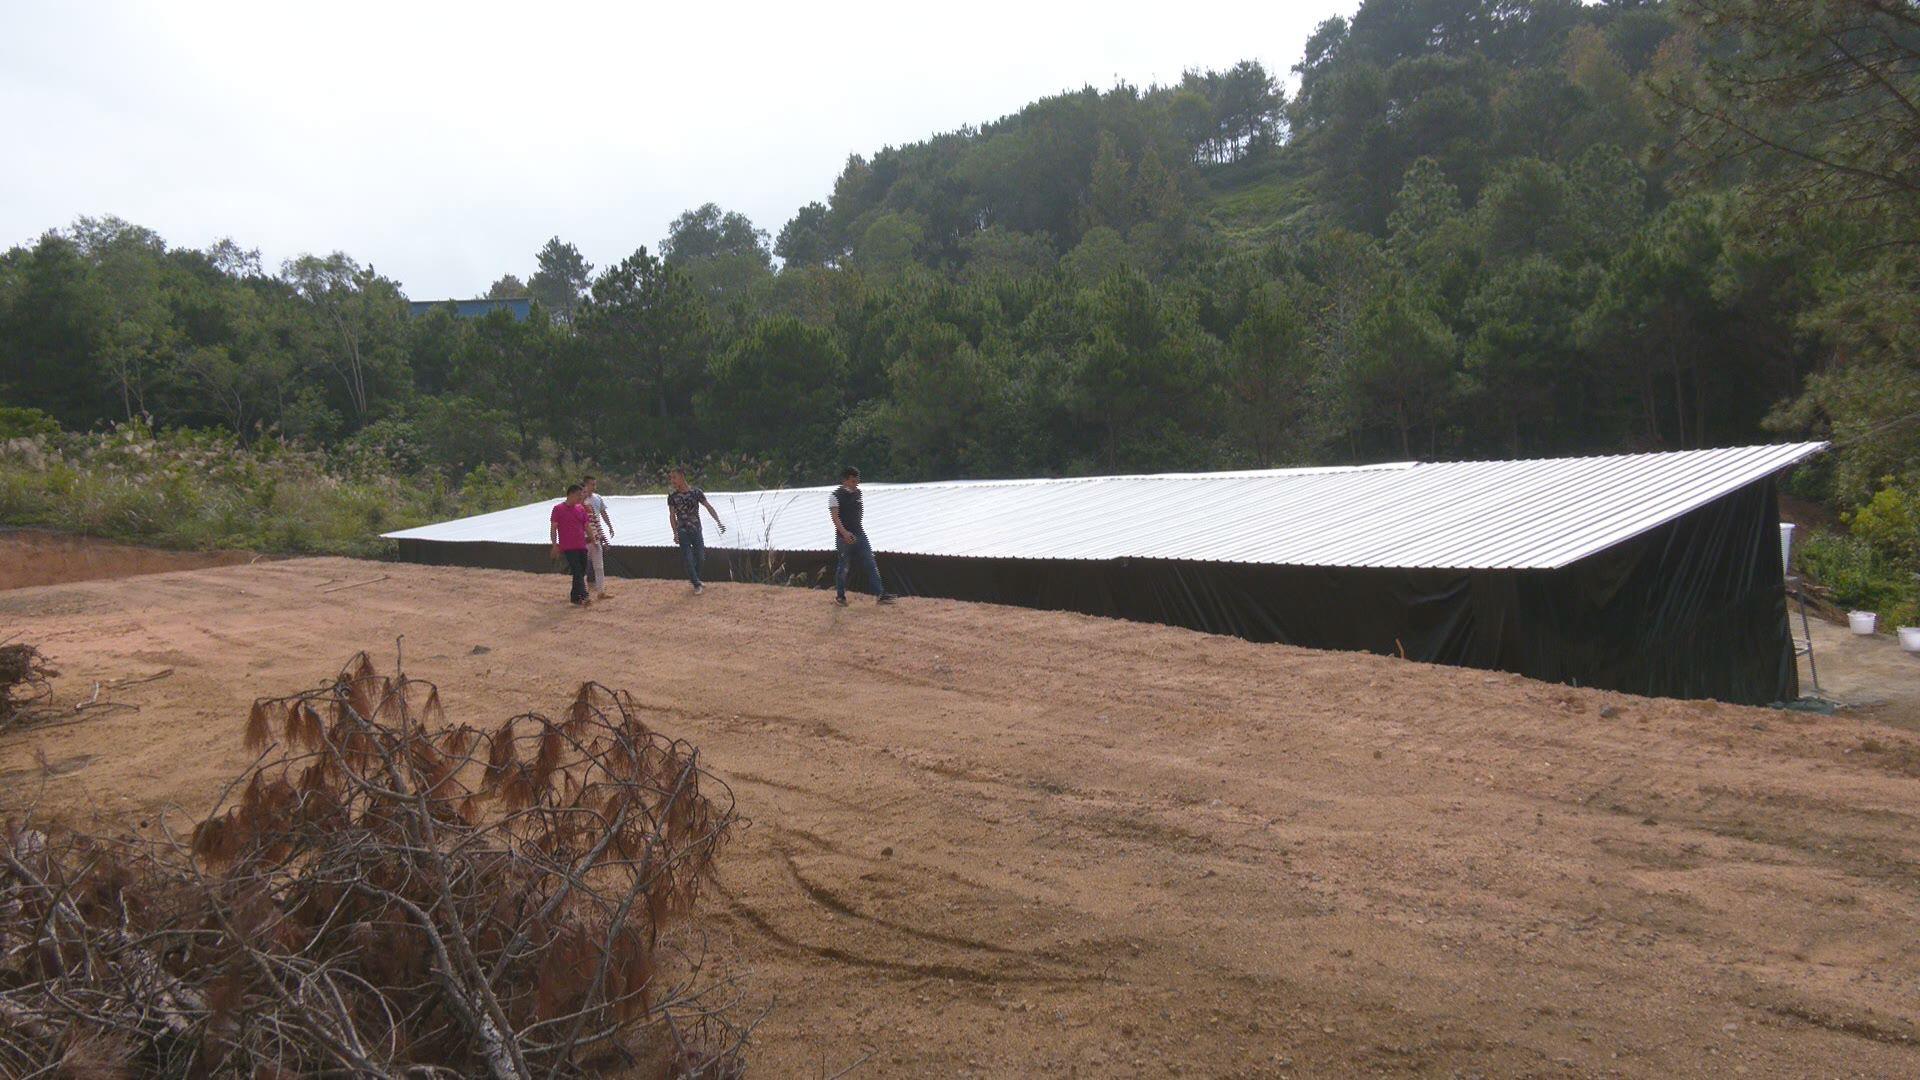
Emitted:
<point x="384" y="892"/>
<point x="25" y="680"/>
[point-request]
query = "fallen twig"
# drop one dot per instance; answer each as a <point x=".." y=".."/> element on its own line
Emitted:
<point x="862" y="1060"/>
<point x="355" y="584"/>
<point x="121" y="684"/>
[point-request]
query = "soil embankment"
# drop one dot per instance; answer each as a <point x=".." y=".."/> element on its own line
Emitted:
<point x="30" y="557"/>
<point x="996" y="842"/>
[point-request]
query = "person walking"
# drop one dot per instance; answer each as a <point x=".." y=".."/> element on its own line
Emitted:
<point x="683" y="518"/>
<point x="850" y="538"/>
<point x="599" y="535"/>
<point x="568" y="530"/>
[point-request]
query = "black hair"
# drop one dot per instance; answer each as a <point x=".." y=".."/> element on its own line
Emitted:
<point x="585" y="480"/>
<point x="571" y="488"/>
<point x="849" y="471"/>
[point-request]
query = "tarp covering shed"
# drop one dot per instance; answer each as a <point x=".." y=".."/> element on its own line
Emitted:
<point x="1653" y="573"/>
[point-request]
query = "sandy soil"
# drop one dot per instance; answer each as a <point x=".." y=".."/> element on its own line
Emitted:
<point x="996" y="842"/>
<point x="33" y="557"/>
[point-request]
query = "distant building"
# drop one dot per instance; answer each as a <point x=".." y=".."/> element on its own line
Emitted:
<point x="474" y="309"/>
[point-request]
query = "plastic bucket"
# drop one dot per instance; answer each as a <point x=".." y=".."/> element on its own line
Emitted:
<point x="1910" y="638"/>
<point x="1861" y="622"/>
<point x="1786" y="549"/>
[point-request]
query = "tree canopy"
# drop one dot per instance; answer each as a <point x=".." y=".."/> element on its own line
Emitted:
<point x="1476" y="227"/>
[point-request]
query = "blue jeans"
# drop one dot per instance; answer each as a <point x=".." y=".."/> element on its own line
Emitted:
<point x="862" y="550"/>
<point x="693" y="549"/>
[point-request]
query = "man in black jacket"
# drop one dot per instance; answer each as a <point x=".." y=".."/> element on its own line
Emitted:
<point x="850" y="537"/>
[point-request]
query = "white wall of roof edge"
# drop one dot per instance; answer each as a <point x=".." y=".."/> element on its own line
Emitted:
<point x="1532" y="514"/>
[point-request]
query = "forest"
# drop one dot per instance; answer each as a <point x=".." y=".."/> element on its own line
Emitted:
<point x="1463" y="229"/>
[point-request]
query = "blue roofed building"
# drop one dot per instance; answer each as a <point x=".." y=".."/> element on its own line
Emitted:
<point x="520" y="308"/>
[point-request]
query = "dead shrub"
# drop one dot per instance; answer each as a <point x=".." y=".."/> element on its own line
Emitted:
<point x="384" y="893"/>
<point x="25" y="679"/>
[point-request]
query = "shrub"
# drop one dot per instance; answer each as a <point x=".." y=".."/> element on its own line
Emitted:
<point x="16" y="422"/>
<point x="1860" y="578"/>
<point x="1890" y="521"/>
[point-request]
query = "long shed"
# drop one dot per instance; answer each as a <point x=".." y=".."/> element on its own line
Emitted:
<point x="1656" y="573"/>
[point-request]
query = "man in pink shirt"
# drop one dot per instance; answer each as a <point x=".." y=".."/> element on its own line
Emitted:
<point x="568" y="531"/>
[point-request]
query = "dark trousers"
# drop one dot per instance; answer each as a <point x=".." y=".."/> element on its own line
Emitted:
<point x="577" y="566"/>
<point x="862" y="550"/>
<point x="693" y="550"/>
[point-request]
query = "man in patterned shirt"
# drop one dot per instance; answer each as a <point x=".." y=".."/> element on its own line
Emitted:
<point x="683" y="517"/>
<point x="599" y="535"/>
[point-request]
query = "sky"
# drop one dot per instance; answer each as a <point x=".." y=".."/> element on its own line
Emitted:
<point x="444" y="143"/>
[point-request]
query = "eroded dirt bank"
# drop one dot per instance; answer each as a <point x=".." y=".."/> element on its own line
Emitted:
<point x="31" y="557"/>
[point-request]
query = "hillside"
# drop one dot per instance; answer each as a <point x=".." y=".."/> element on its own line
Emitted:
<point x="1188" y="855"/>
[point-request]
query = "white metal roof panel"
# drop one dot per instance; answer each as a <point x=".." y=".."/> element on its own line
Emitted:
<point x="1521" y="515"/>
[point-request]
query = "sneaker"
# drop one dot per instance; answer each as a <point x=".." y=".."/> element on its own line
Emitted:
<point x="841" y="600"/>
<point x="698" y="589"/>
<point x="884" y="598"/>
<point x="588" y="602"/>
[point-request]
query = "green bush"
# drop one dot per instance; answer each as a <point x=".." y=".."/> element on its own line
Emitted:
<point x="1861" y="578"/>
<point x="19" y="423"/>
<point x="1890" y="521"/>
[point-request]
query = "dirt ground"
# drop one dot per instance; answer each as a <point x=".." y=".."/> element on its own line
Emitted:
<point x="1869" y="674"/>
<point x="996" y="842"/>
<point x="34" y="557"/>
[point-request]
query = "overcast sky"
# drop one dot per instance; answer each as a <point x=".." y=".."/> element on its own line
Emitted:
<point x="444" y="143"/>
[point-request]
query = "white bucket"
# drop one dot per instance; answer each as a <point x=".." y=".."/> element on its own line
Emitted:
<point x="1786" y="549"/>
<point x="1861" y="622"/>
<point x="1910" y="638"/>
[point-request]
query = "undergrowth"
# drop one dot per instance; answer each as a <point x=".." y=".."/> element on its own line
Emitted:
<point x="207" y="490"/>
<point x="1859" y="577"/>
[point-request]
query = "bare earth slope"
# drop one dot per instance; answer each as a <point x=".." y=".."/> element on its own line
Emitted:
<point x="997" y="842"/>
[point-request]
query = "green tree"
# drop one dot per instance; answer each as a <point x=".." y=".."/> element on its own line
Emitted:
<point x="1268" y="372"/>
<point x="1819" y="98"/>
<point x="1101" y="253"/>
<point x="505" y="365"/>
<point x="888" y="242"/>
<point x="1144" y="375"/>
<point x="361" y="317"/>
<point x="1526" y="383"/>
<point x="948" y="405"/>
<point x="1109" y="187"/>
<point x="49" y="328"/>
<point x="807" y="238"/>
<point x="777" y="392"/>
<point x="644" y="336"/>
<point x="561" y="280"/>
<point x="720" y="252"/>
<point x="1652" y="323"/>
<point x="1004" y="253"/>
<point x="1403" y="369"/>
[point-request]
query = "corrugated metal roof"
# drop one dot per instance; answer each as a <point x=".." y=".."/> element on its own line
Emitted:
<point x="1520" y="515"/>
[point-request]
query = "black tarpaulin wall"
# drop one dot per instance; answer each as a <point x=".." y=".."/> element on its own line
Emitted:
<point x="1695" y="608"/>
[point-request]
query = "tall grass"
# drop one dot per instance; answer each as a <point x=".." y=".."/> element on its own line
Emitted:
<point x="197" y="489"/>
